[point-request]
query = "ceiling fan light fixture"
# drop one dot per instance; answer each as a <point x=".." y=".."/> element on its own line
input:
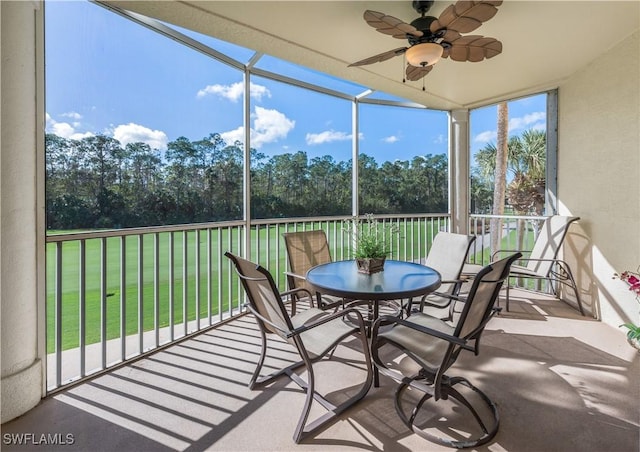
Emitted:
<point x="424" y="54"/>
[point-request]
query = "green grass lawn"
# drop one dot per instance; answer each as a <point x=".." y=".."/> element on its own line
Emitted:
<point x="114" y="295"/>
<point x="509" y="242"/>
<point x="123" y="299"/>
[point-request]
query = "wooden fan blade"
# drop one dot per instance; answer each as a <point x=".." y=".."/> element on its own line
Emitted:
<point x="390" y="25"/>
<point x="474" y="48"/>
<point x="450" y="36"/>
<point x="416" y="73"/>
<point x="380" y="57"/>
<point x="465" y="16"/>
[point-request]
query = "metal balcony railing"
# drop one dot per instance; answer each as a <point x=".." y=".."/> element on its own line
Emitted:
<point x="116" y="295"/>
<point x="515" y="233"/>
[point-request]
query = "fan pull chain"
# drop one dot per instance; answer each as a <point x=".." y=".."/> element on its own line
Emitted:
<point x="404" y="64"/>
<point x="423" y="84"/>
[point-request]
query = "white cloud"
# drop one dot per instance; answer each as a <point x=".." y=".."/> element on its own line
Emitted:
<point x="232" y="136"/>
<point x="439" y="139"/>
<point x="134" y="133"/>
<point x="235" y="91"/>
<point x="326" y="137"/>
<point x="534" y="120"/>
<point x="124" y="133"/>
<point x="258" y="91"/>
<point x="64" y="129"/>
<point x="485" y="137"/>
<point x="268" y="126"/>
<point x="72" y="115"/>
<point x="391" y="139"/>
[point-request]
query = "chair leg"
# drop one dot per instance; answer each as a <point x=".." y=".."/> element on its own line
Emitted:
<point x="303" y="430"/>
<point x="565" y="276"/>
<point x="256" y="380"/>
<point x="488" y="429"/>
<point x="263" y="354"/>
<point x="574" y="286"/>
<point x="507" y="294"/>
<point x="309" y="387"/>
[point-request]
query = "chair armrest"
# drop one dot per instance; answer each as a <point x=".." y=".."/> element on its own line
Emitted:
<point x="265" y="320"/>
<point x="425" y="302"/>
<point x="328" y="318"/>
<point x="494" y="311"/>
<point x="294" y="275"/>
<point x="423" y="329"/>
<point x="444" y="295"/>
<point x="559" y="262"/>
<point x="499" y="252"/>
<point x="293" y="299"/>
<point x="293" y="291"/>
<point x="533" y="259"/>
<point x="307" y="326"/>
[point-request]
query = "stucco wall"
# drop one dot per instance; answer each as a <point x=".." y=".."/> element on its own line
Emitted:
<point x="22" y="372"/>
<point x="599" y="176"/>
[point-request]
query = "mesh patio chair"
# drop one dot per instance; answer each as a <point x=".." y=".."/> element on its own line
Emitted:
<point x="306" y="249"/>
<point x="542" y="262"/>
<point x="432" y="346"/>
<point x="447" y="255"/>
<point x="313" y="332"/>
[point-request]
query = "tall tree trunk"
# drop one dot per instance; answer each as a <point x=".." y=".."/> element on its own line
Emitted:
<point x="500" y="174"/>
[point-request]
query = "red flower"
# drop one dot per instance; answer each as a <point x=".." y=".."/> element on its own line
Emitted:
<point x="633" y="279"/>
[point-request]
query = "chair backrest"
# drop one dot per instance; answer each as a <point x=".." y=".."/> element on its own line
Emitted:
<point x="263" y="295"/>
<point x="305" y="249"/>
<point x="482" y="297"/>
<point x="447" y="255"/>
<point x="548" y="242"/>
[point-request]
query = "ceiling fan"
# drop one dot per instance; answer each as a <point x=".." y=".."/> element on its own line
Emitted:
<point x="433" y="38"/>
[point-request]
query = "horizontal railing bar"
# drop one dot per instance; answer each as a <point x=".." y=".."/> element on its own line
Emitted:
<point x="509" y="217"/>
<point x="136" y="231"/>
<point x="85" y="235"/>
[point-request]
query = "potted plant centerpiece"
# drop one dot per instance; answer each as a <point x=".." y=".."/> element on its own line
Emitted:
<point x="633" y="281"/>
<point x="372" y="243"/>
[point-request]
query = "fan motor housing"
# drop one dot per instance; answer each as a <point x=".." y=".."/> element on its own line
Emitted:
<point x="423" y="24"/>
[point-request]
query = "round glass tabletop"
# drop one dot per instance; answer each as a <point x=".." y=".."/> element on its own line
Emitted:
<point x="399" y="279"/>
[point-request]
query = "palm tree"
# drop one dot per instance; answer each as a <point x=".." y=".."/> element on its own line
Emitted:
<point x="526" y="192"/>
<point x="526" y="162"/>
<point x="500" y="174"/>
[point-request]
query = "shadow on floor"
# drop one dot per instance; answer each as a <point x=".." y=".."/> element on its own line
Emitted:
<point x="561" y="382"/>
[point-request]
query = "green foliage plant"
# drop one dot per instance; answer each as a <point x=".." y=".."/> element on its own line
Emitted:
<point x="371" y="238"/>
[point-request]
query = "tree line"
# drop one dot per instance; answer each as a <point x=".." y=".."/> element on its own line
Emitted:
<point x="96" y="182"/>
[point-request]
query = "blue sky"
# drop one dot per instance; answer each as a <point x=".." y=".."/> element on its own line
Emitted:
<point x="108" y="75"/>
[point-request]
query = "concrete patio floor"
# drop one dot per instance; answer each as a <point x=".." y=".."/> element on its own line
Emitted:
<point x="561" y="382"/>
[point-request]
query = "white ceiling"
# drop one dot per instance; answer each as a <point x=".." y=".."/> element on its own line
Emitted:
<point x="544" y="42"/>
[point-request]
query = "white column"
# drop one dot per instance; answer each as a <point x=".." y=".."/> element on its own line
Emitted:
<point x="21" y="207"/>
<point x="459" y="172"/>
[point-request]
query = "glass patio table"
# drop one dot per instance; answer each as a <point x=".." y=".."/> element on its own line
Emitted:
<point x="398" y="280"/>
